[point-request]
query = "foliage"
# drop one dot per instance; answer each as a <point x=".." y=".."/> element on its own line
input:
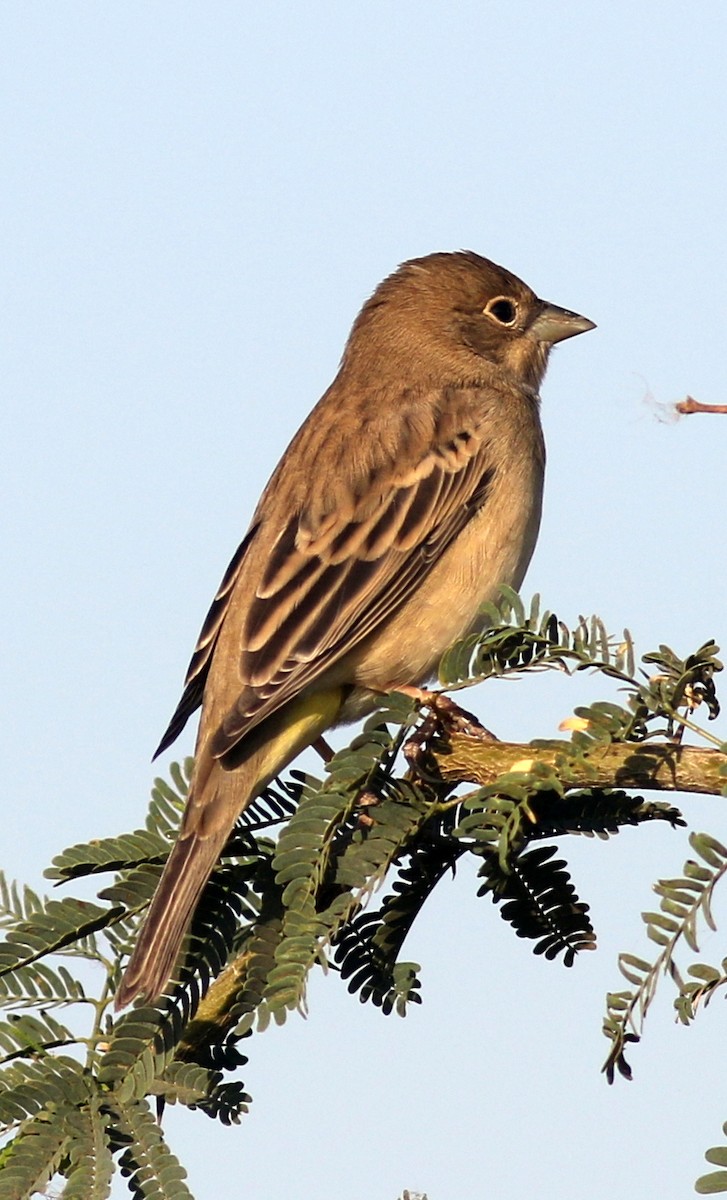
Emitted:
<point x="330" y="872"/>
<point x="683" y="901"/>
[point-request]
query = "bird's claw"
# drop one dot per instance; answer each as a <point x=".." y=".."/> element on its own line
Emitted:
<point x="444" y="717"/>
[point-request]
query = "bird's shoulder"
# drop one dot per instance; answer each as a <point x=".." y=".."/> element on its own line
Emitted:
<point x="361" y="444"/>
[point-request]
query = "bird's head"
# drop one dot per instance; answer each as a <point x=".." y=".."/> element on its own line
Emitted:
<point x="447" y="315"/>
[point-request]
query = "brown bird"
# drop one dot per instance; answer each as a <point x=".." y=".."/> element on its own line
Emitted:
<point x="411" y="492"/>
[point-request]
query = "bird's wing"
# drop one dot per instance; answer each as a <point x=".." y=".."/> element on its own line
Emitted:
<point x="200" y="664"/>
<point x="343" y="563"/>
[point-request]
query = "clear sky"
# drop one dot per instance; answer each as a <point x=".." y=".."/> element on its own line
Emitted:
<point x="196" y="199"/>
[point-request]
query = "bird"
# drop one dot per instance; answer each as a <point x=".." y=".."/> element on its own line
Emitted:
<point x="409" y="495"/>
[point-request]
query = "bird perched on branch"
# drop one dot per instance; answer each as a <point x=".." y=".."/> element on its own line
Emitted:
<point x="411" y="492"/>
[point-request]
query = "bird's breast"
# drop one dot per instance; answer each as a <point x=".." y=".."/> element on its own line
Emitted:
<point x="494" y="547"/>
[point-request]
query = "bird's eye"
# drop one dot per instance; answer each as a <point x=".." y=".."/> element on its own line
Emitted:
<point x="503" y="310"/>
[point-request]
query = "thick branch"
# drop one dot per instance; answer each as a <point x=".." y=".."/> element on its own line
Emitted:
<point x="649" y="766"/>
<point x="471" y="758"/>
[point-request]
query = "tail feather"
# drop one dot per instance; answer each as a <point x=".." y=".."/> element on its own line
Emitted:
<point x="218" y="794"/>
<point x="183" y="880"/>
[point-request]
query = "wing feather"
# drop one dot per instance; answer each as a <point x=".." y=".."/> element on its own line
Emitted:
<point x="286" y="647"/>
<point x="360" y="528"/>
<point x="200" y="663"/>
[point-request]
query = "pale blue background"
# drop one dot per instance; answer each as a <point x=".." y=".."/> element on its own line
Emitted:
<point x="195" y="200"/>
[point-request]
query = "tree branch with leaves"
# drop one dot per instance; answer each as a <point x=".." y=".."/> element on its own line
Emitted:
<point x="299" y="886"/>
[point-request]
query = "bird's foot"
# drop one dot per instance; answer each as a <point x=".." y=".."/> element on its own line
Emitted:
<point x="367" y="799"/>
<point x="450" y="715"/>
<point x="444" y="717"/>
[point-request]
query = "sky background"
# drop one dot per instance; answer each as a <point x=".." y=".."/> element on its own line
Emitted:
<point x="196" y="199"/>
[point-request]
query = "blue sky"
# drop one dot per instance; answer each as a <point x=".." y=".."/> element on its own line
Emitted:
<point x="196" y="200"/>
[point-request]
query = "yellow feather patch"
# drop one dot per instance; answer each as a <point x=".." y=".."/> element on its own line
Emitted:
<point x="293" y="728"/>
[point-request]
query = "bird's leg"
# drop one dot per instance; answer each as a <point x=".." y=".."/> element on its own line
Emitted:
<point x="416" y="745"/>
<point x="449" y="713"/>
<point x="320" y="745"/>
<point x="443" y="716"/>
<point x="460" y="719"/>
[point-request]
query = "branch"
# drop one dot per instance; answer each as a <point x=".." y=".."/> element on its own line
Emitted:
<point x="468" y="757"/>
<point x="690" y="405"/>
<point x="649" y="766"/>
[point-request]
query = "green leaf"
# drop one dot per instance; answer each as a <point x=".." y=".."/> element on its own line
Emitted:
<point x="708" y="1185"/>
<point x="60" y="923"/>
<point x="91" y="1166"/>
<point x="33" y="1157"/>
<point x="152" y="1171"/>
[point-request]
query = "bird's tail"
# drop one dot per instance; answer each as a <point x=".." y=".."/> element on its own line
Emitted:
<point x="187" y="870"/>
<point x="217" y="796"/>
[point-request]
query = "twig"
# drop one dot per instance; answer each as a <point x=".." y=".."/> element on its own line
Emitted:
<point x="690" y="405"/>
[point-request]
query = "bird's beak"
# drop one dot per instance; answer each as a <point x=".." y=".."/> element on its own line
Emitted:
<point x="554" y="324"/>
